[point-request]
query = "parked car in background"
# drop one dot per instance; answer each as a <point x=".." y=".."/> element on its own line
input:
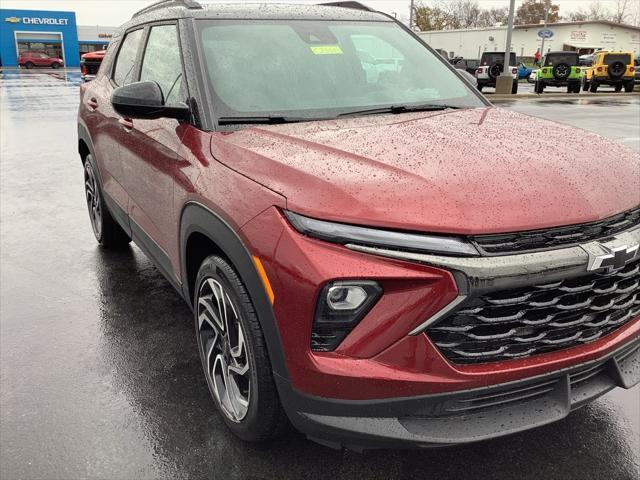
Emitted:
<point x="90" y="64"/>
<point x="616" y="69"/>
<point x="533" y="75"/>
<point x="33" y="59"/>
<point x="468" y="64"/>
<point x="388" y="262"/>
<point x="442" y="52"/>
<point x="490" y="68"/>
<point x="560" y="69"/>
<point x="523" y="71"/>
<point x="636" y="72"/>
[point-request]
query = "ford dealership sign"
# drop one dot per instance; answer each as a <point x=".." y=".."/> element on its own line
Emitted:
<point x="545" y="33"/>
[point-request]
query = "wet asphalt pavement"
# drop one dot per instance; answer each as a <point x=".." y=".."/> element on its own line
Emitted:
<point x="100" y="376"/>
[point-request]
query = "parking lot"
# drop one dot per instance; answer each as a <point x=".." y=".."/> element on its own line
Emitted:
<point x="100" y="372"/>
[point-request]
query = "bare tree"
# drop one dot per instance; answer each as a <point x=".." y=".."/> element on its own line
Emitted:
<point x="532" y="11"/>
<point x="622" y="11"/>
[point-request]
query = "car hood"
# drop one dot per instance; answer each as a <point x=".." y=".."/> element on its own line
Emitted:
<point x="482" y="170"/>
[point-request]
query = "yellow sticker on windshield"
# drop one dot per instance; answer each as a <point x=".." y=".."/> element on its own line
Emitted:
<point x="327" y="50"/>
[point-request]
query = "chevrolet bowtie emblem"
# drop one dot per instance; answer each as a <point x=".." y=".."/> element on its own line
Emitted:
<point x="613" y="257"/>
<point x="12" y="19"/>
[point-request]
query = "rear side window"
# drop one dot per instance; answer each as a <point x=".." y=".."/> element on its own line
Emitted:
<point x="124" y="72"/>
<point x="162" y="63"/>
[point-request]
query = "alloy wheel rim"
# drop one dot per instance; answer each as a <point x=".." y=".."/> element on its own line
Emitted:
<point x="93" y="200"/>
<point x="225" y="357"/>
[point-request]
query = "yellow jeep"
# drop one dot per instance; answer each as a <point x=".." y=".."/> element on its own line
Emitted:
<point x="610" y="68"/>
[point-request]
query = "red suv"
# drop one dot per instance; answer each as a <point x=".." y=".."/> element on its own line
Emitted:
<point x="30" y="59"/>
<point x="371" y="250"/>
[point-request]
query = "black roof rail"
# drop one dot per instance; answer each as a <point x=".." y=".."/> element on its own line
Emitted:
<point x="191" y="4"/>
<point x="352" y="5"/>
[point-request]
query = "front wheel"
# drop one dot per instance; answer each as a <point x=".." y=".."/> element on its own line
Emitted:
<point x="234" y="354"/>
<point x="29" y="65"/>
<point x="106" y="230"/>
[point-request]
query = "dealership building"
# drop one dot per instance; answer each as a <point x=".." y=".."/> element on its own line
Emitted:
<point x="55" y="33"/>
<point x="583" y="37"/>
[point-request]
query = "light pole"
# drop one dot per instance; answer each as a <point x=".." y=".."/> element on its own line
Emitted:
<point x="411" y="6"/>
<point x="504" y="82"/>
<point x="546" y="20"/>
<point x="507" y="48"/>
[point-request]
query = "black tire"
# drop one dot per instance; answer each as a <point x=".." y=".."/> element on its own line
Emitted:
<point x="618" y="87"/>
<point x="593" y="86"/>
<point x="514" y="87"/>
<point x="573" y="87"/>
<point x="106" y="230"/>
<point x="561" y="71"/>
<point x="628" y="87"/>
<point x="616" y="70"/>
<point x="539" y="87"/>
<point x="480" y="87"/>
<point x="29" y="65"/>
<point x="495" y="70"/>
<point x="264" y="417"/>
<point x="585" y="84"/>
<point x="55" y="65"/>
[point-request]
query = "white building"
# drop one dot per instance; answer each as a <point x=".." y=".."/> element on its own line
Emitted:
<point x="584" y="37"/>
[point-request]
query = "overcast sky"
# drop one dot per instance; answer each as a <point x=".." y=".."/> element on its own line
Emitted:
<point x="115" y="12"/>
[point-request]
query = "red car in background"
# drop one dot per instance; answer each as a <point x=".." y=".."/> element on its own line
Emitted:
<point x="32" y="59"/>
<point x="90" y="64"/>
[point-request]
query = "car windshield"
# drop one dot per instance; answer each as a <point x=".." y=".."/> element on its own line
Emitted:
<point x="617" y="57"/>
<point x="497" y="57"/>
<point x="554" y="59"/>
<point x="321" y="69"/>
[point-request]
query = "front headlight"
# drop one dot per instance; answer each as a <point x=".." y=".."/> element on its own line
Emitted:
<point x="351" y="234"/>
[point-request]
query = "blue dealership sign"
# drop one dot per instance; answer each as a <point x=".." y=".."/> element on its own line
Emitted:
<point x="32" y="25"/>
<point x="545" y="33"/>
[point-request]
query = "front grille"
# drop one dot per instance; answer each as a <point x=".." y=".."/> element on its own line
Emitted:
<point x="502" y="244"/>
<point x="541" y="318"/>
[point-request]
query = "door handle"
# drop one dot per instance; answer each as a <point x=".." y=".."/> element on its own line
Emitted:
<point x="126" y="123"/>
<point x="93" y="103"/>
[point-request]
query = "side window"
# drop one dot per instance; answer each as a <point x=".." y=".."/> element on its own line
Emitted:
<point x="162" y="63"/>
<point x="125" y="63"/>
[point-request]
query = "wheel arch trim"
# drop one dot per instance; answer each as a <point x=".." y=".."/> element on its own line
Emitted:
<point x="197" y="218"/>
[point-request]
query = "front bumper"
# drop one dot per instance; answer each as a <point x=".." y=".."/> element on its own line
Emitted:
<point x="464" y="416"/>
<point x="387" y="384"/>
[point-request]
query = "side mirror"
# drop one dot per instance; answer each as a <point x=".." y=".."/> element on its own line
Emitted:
<point x="145" y="100"/>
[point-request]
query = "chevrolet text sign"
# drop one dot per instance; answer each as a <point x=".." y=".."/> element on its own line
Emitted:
<point x="44" y="21"/>
<point x="38" y="21"/>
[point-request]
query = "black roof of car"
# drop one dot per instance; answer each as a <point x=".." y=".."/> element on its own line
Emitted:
<point x="560" y="52"/>
<point x="175" y="9"/>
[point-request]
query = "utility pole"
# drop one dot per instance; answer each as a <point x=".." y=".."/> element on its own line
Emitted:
<point x="411" y="7"/>
<point x="504" y="82"/>
<point x="546" y="20"/>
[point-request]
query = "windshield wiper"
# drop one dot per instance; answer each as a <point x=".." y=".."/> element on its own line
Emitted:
<point x="267" y="119"/>
<point x="395" y="109"/>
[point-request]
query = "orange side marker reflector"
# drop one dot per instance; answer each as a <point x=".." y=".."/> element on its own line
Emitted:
<point x="265" y="279"/>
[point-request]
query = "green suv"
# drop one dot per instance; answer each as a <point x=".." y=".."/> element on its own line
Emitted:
<point x="560" y="69"/>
